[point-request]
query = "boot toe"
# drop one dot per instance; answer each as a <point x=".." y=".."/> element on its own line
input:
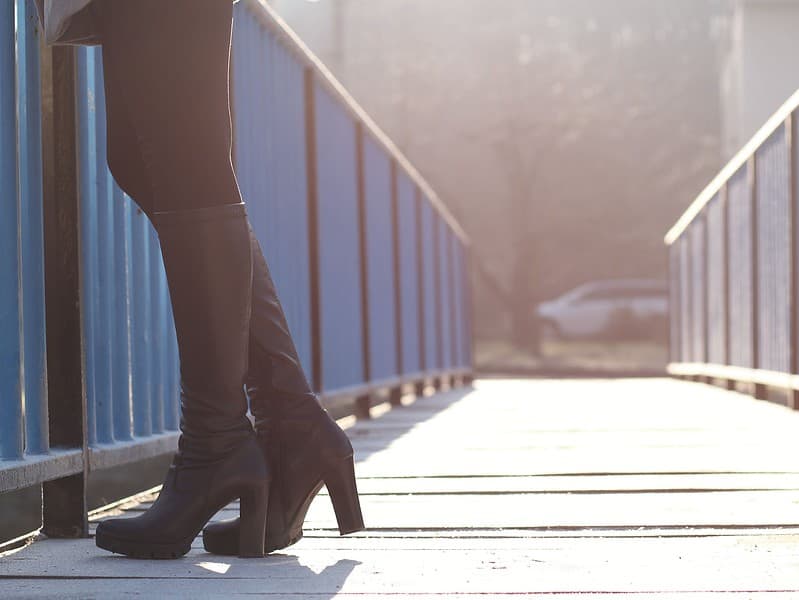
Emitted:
<point x="128" y="537"/>
<point x="124" y="528"/>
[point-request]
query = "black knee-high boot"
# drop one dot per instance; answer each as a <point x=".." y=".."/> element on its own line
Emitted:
<point x="304" y="446"/>
<point x="208" y="262"/>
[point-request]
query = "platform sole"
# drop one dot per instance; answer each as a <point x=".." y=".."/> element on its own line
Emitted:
<point x="143" y="550"/>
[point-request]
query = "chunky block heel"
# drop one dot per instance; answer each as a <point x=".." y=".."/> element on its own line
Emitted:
<point x="252" y="512"/>
<point x="307" y="450"/>
<point x="340" y="482"/>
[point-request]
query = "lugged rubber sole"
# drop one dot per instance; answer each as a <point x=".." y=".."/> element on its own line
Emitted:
<point x="141" y="550"/>
<point x="284" y="545"/>
<point x="228" y="545"/>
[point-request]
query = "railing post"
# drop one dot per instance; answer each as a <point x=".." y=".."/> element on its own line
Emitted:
<point x="792" y="131"/>
<point x="364" y="402"/>
<point x="309" y="91"/>
<point x="395" y="395"/>
<point x="760" y="391"/>
<point x="420" y="258"/>
<point x="64" y="502"/>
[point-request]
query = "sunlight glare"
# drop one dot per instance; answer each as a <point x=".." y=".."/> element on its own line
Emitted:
<point x="214" y="567"/>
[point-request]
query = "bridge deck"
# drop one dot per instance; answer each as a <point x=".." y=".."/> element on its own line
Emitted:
<point x="646" y="487"/>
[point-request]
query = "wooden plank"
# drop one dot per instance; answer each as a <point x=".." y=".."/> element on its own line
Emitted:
<point x="578" y="484"/>
<point x="483" y="511"/>
<point x="651" y="488"/>
<point x="453" y="567"/>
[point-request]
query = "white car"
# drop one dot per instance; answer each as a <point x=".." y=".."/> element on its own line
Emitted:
<point x="601" y="308"/>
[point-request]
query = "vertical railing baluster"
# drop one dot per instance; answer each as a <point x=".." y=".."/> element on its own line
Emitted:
<point x="173" y="421"/>
<point x="420" y="262"/>
<point x="11" y="408"/>
<point x="64" y="500"/>
<point x="31" y="242"/>
<point x="364" y="402"/>
<point x="453" y="344"/>
<point x="469" y="309"/>
<point x="123" y="424"/>
<point x="313" y="227"/>
<point x="458" y="354"/>
<point x="690" y="346"/>
<point x="724" y="199"/>
<point x="760" y="390"/>
<point x="679" y="314"/>
<point x="792" y="131"/>
<point x="687" y="299"/>
<point x="670" y="344"/>
<point x="705" y="292"/>
<point x="678" y="303"/>
<point x="395" y="395"/>
<point x="436" y="261"/>
<point x="106" y="241"/>
<point x="87" y="175"/>
<point x="157" y="320"/>
<point x="142" y="327"/>
<point x="438" y="313"/>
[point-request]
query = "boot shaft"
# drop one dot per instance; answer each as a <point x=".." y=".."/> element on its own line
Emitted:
<point x="208" y="262"/>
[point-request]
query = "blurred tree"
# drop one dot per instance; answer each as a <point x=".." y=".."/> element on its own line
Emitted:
<point x="567" y="135"/>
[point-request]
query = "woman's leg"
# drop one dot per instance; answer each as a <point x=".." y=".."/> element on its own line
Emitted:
<point x="124" y="157"/>
<point x="275" y="365"/>
<point x="279" y="391"/>
<point x="166" y="67"/>
<point x="167" y="64"/>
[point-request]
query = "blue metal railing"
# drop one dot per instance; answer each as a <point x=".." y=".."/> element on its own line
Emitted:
<point x="339" y="260"/>
<point x="131" y="392"/>
<point x="410" y="288"/>
<point x="359" y="324"/>
<point x="270" y="150"/>
<point x="23" y="409"/>
<point x="370" y="267"/>
<point x="428" y="286"/>
<point x="734" y="260"/>
<point x="382" y="293"/>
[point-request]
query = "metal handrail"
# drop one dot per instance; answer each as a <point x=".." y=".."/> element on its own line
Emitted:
<point x="732" y="167"/>
<point x="734" y="263"/>
<point x="277" y="25"/>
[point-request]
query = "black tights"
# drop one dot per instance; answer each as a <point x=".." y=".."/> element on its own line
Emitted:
<point x="166" y="65"/>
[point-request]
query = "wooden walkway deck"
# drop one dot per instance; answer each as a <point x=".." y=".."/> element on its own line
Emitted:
<point x="648" y="488"/>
